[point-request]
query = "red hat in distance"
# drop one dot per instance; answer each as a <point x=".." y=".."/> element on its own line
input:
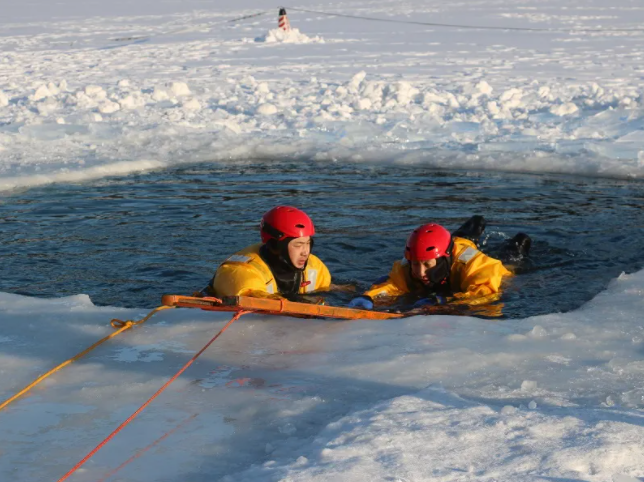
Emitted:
<point x="430" y="241"/>
<point x="285" y="222"/>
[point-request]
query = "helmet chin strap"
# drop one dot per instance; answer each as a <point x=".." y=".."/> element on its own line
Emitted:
<point x="282" y="247"/>
<point x="439" y="272"/>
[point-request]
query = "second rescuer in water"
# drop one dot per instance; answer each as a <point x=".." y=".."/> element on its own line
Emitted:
<point x="439" y="267"/>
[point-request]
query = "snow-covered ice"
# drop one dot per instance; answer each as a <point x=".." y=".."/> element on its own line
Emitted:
<point x="554" y="397"/>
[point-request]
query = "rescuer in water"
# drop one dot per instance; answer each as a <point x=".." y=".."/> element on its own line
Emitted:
<point x="440" y="268"/>
<point x="282" y="265"/>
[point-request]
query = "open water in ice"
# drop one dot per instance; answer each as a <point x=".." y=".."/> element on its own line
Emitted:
<point x="125" y="241"/>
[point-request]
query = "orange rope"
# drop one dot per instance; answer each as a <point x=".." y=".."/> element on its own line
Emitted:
<point x="144" y="450"/>
<point x="158" y="392"/>
<point x="121" y="325"/>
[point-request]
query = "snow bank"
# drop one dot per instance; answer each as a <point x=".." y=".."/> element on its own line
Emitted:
<point x="80" y="132"/>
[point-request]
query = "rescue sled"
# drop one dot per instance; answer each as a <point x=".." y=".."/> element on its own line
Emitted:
<point x="274" y="307"/>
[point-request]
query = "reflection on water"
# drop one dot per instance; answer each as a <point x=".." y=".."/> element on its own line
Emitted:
<point x="126" y="241"/>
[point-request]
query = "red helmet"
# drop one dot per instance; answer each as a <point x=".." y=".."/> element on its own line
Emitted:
<point x="285" y="222"/>
<point x="430" y="241"/>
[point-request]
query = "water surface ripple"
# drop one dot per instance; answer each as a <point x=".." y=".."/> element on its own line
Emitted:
<point x="126" y="241"/>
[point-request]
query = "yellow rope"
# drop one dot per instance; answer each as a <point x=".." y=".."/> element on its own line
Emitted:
<point x="121" y="325"/>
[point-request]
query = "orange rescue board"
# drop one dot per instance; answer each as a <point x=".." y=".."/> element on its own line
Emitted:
<point x="274" y="307"/>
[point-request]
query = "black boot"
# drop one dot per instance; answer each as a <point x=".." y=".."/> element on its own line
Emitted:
<point x="472" y="229"/>
<point x="517" y="247"/>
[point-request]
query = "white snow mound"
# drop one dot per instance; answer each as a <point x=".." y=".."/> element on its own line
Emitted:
<point x="293" y="36"/>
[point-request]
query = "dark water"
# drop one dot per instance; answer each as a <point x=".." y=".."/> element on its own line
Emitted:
<point x="126" y="241"/>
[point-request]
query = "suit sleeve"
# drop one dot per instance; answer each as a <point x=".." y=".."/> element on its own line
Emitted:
<point x="393" y="285"/>
<point x="481" y="277"/>
<point x="238" y="279"/>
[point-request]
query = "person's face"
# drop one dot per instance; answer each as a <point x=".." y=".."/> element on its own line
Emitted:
<point x="299" y="250"/>
<point x="420" y="270"/>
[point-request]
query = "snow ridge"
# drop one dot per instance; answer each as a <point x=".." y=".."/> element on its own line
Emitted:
<point x="55" y="132"/>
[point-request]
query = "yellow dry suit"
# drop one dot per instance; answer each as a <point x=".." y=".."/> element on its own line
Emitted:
<point x="474" y="277"/>
<point x="245" y="273"/>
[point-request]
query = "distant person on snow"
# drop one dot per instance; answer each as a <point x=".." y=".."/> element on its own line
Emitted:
<point x="280" y="266"/>
<point x="440" y="268"/>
